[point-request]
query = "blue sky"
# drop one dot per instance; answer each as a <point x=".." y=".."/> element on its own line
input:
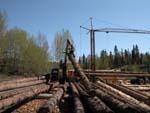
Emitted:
<point x="50" y="16"/>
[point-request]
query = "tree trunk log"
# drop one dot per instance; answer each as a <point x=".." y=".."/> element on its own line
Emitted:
<point x="76" y="66"/>
<point x="9" y="93"/>
<point x="20" y="80"/>
<point x="94" y="103"/>
<point x="49" y="106"/>
<point x="74" y="90"/>
<point x="115" y="104"/>
<point x="77" y="103"/>
<point x="114" y="93"/>
<point x="131" y="92"/>
<point x="19" y="84"/>
<point x="20" y="97"/>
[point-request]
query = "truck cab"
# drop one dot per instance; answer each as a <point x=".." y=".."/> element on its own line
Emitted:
<point x="54" y="74"/>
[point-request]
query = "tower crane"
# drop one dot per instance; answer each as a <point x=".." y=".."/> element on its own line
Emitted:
<point x="107" y="30"/>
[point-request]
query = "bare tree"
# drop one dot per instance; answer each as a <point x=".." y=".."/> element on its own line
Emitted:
<point x="59" y="44"/>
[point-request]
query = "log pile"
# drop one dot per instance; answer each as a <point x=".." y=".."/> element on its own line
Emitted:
<point x="16" y="91"/>
<point x="19" y="84"/>
<point x="106" y="97"/>
<point x="135" y="94"/>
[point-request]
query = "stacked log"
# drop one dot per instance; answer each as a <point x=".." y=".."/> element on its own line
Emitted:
<point x="115" y="104"/>
<point x="12" y="92"/>
<point x="19" y="80"/>
<point x="70" y="54"/>
<point x="105" y="97"/>
<point x="49" y="106"/>
<point x="133" y="93"/>
<point x="20" y="84"/>
<point x="20" y="97"/>
<point x="94" y="103"/>
<point x="122" y="98"/>
<point x="77" y="103"/>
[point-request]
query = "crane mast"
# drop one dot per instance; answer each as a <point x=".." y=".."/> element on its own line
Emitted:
<point x="107" y="30"/>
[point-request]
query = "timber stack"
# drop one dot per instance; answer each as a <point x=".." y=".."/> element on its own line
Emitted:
<point x="103" y="97"/>
<point x="19" y="90"/>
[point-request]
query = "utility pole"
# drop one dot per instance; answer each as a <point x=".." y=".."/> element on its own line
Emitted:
<point x="107" y="30"/>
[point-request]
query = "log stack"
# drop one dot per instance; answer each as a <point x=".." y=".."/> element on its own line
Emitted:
<point x="106" y="97"/>
<point x="16" y="91"/>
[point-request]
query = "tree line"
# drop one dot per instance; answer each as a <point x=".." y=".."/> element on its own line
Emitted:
<point x="20" y="52"/>
<point x="125" y="59"/>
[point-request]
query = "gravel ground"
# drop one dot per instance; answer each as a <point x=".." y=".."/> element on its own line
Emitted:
<point x="31" y="106"/>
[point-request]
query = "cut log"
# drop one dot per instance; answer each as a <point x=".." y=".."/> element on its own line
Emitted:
<point x="77" y="103"/>
<point x="8" y="93"/>
<point x="19" y="84"/>
<point x="20" y="97"/>
<point x="19" y="80"/>
<point x="115" y="104"/>
<point x="74" y="90"/>
<point x="133" y="93"/>
<point x="114" y="93"/>
<point x="94" y="103"/>
<point x="49" y="106"/>
<point x="70" y="54"/>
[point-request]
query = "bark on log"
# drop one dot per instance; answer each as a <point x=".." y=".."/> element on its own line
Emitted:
<point x="94" y="103"/>
<point x="19" y="84"/>
<point x="124" y="98"/>
<point x="20" y="97"/>
<point x="83" y="77"/>
<point x="131" y="92"/>
<point x="49" y="106"/>
<point x="19" y="80"/>
<point x="115" y="104"/>
<point x="6" y="94"/>
<point x="77" y="103"/>
<point x="110" y="74"/>
<point x="74" y="90"/>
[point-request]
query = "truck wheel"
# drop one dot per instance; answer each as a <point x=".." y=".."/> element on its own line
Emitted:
<point x="141" y="81"/>
<point x="147" y="81"/>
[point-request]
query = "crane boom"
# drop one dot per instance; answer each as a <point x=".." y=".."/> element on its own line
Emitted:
<point x="122" y="30"/>
<point x="107" y="30"/>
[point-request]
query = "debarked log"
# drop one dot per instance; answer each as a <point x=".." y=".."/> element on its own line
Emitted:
<point x="19" y="84"/>
<point x="94" y="103"/>
<point x="20" y="97"/>
<point x="50" y="104"/>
